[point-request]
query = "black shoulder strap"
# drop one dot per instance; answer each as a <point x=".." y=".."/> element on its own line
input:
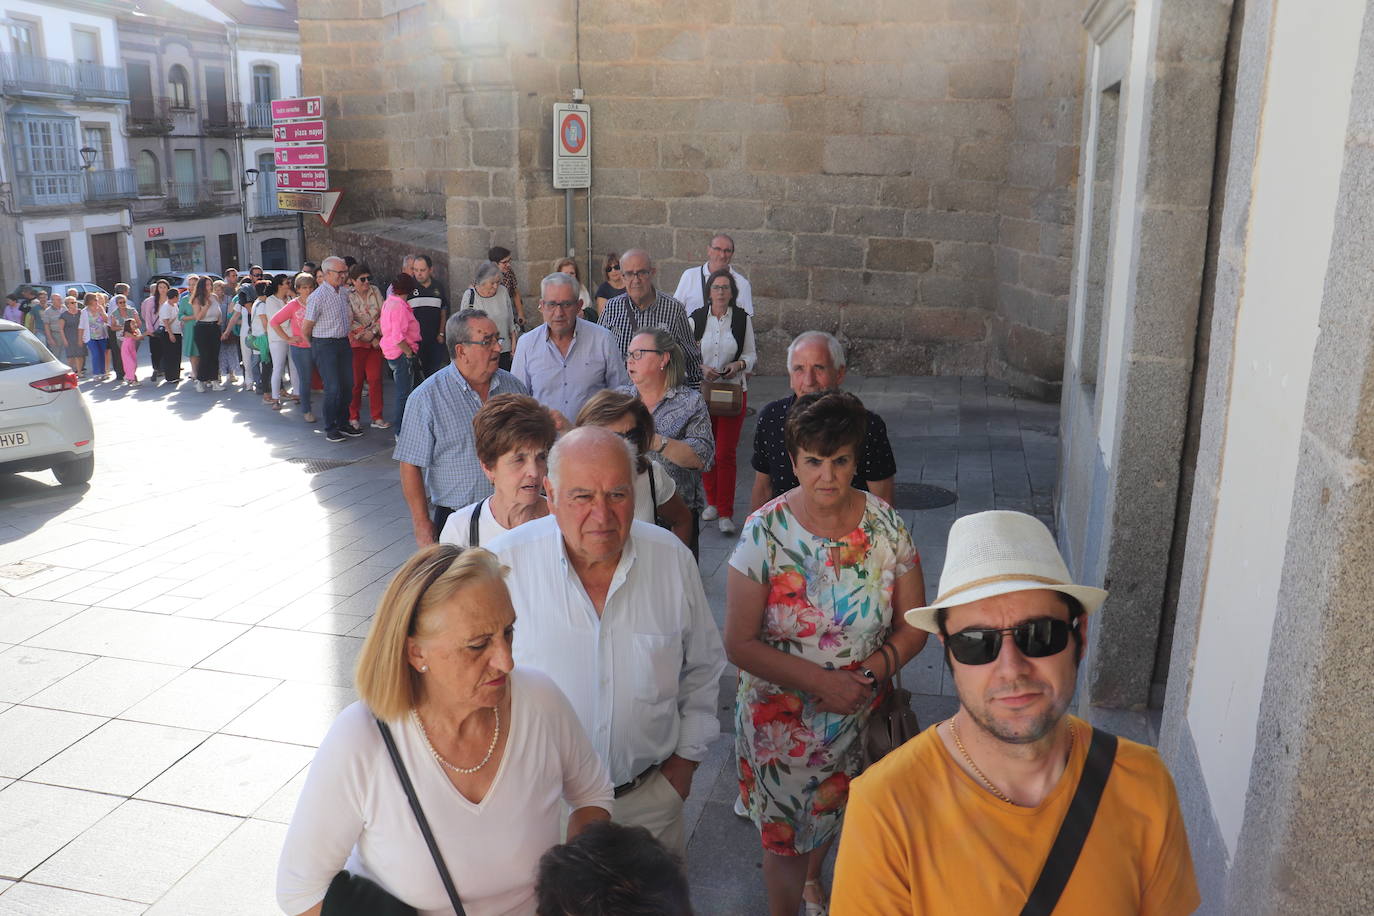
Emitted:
<point x="699" y="323"/>
<point x="420" y="817"/>
<point x="653" y="488"/>
<point x="1059" y="864"/>
<point x="739" y="320"/>
<point x="474" y="538"/>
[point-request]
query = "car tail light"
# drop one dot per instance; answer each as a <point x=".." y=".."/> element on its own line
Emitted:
<point x="64" y="382"/>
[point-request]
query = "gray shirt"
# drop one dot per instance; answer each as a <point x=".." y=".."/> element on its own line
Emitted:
<point x="564" y="383"/>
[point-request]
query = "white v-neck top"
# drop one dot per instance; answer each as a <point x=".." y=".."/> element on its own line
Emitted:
<point x="353" y="813"/>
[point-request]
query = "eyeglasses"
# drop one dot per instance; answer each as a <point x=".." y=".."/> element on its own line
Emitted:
<point x="1034" y="639"/>
<point x="639" y="354"/>
<point x="363" y="280"/>
<point x="722" y="250"/>
<point x="484" y="342"/>
<point x="551" y="304"/>
<point x="721" y="288"/>
<point x="637" y="274"/>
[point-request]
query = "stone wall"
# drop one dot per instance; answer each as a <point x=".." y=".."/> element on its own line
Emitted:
<point x="899" y="173"/>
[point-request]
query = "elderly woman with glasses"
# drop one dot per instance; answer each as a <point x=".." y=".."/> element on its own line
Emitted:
<point x="810" y="599"/>
<point x="613" y="285"/>
<point x="365" y="339"/>
<point x="495" y="754"/>
<point x="489" y="295"/>
<point x="682" y="427"/>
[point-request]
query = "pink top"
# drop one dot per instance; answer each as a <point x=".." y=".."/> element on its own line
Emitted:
<point x="293" y="311"/>
<point x="398" y="323"/>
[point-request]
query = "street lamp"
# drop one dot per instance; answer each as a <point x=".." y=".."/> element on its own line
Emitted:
<point x="250" y="178"/>
<point x="88" y="155"/>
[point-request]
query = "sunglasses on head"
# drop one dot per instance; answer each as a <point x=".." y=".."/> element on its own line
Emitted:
<point x="1039" y="638"/>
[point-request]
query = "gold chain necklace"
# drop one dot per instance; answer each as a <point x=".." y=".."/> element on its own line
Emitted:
<point x="954" y="733"/>
<point x="495" y="735"/>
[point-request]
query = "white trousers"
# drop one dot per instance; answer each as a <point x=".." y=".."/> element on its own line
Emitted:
<point x="279" y="350"/>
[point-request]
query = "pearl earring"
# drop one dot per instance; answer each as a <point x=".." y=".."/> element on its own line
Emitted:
<point x="424" y="669"/>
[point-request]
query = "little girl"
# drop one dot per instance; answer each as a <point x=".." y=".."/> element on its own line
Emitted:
<point x="128" y="349"/>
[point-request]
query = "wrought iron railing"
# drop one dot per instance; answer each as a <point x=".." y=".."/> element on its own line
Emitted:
<point x="267" y="196"/>
<point x="258" y="117"/>
<point x="95" y="81"/>
<point x="149" y="115"/>
<point x="220" y="119"/>
<point x="111" y="184"/>
<point x="22" y="74"/>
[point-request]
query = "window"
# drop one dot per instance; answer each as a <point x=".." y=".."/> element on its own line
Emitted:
<point x="149" y="175"/>
<point x="24" y="37"/>
<point x="274" y="254"/>
<point x="219" y="171"/>
<point x="53" y="253"/>
<point x="264" y="83"/>
<point x="266" y="163"/>
<point x="86" y="46"/>
<point x="46" y="162"/>
<point x="97" y="137"/>
<point x="179" y="85"/>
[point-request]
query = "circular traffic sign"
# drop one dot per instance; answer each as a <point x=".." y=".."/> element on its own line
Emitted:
<point x="573" y="133"/>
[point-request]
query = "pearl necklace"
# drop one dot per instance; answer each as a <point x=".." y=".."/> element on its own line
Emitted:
<point x="495" y="736"/>
<point x="954" y="733"/>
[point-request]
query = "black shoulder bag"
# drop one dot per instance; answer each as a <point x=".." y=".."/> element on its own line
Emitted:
<point x="475" y="537"/>
<point x="354" y="895"/>
<point x="1059" y="864"/>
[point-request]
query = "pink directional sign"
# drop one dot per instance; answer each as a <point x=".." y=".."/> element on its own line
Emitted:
<point x="296" y="109"/>
<point x="303" y="180"/>
<point x="314" y="156"/>
<point x="299" y="132"/>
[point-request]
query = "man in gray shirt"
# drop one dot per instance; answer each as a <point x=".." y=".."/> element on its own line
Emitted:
<point x="566" y="360"/>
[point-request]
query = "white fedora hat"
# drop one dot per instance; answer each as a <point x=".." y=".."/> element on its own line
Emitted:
<point x="993" y="553"/>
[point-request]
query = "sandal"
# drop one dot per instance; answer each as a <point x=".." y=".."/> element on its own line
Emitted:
<point x="812" y="908"/>
<point x="275" y="405"/>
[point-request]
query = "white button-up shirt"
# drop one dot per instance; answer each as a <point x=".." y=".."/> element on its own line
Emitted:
<point x="644" y="676"/>
<point x="718" y="348"/>
<point x="689" y="289"/>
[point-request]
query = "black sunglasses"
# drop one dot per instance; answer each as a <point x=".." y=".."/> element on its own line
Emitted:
<point x="1034" y="639"/>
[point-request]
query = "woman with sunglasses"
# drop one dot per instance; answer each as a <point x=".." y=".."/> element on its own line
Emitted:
<point x="613" y="285"/>
<point x="810" y="621"/>
<point x="365" y="339"/>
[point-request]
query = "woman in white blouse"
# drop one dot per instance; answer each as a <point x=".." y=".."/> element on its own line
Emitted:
<point x="726" y="335"/>
<point x="494" y="754"/>
<point x="487" y="293"/>
<point x="513" y="433"/>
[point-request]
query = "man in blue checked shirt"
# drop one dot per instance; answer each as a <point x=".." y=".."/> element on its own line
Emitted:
<point x="327" y="318"/>
<point x="436" y="449"/>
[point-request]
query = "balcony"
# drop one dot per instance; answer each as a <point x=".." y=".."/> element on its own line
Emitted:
<point x="221" y="119"/>
<point x="184" y="198"/>
<point x="111" y="184"/>
<point x="266" y="203"/>
<point x="149" y="116"/>
<point x="46" y="77"/>
<point x="257" y="119"/>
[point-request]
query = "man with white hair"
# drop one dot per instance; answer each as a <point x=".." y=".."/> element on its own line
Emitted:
<point x="815" y="362"/>
<point x="691" y="288"/>
<point x="567" y="359"/>
<point x="614" y="611"/>
<point x="642" y="307"/>
<point x="327" y="319"/>
<point x="1050" y="814"/>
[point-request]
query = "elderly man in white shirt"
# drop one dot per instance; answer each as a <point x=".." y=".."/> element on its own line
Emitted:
<point x="691" y="289"/>
<point x="613" y="610"/>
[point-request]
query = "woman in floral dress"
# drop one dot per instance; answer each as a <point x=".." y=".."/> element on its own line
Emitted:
<point x="811" y="592"/>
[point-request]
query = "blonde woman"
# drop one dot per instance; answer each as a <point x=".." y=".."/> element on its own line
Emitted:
<point x="436" y="672"/>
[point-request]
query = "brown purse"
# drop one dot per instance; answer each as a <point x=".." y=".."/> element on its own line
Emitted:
<point x="723" y="399"/>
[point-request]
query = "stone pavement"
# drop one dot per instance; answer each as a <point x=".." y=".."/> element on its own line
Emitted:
<point x="176" y="638"/>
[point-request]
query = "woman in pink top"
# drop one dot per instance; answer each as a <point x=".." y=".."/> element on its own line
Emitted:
<point x="400" y="338"/>
<point x="302" y="364"/>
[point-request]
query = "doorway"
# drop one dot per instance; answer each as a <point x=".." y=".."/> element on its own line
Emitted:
<point x="105" y="260"/>
<point x="229" y="252"/>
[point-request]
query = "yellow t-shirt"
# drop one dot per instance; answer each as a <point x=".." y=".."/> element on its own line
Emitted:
<point x="921" y="836"/>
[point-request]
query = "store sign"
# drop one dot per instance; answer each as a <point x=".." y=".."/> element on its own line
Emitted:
<point x="155" y="232"/>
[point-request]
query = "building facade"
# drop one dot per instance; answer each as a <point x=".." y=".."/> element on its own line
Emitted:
<point x="1216" y="426"/>
<point x="67" y="177"/>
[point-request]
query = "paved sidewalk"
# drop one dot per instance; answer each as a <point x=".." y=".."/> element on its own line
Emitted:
<point x="176" y="638"/>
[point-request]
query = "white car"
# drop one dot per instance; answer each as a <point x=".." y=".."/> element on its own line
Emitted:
<point x="44" y="421"/>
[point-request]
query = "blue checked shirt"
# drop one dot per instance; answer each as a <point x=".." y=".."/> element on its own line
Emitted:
<point x="682" y="415"/>
<point x="623" y="319"/>
<point x="328" y="308"/>
<point x="564" y="383"/>
<point x="437" y="435"/>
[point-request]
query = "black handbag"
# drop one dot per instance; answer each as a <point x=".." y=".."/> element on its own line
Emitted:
<point x="354" y="895"/>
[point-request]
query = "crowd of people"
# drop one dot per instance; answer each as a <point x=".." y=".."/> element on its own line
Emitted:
<point x="545" y="669"/>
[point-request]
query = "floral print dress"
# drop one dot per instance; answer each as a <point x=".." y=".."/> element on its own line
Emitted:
<point x="829" y="602"/>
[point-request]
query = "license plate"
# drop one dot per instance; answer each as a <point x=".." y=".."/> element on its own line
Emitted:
<point x="16" y="438"/>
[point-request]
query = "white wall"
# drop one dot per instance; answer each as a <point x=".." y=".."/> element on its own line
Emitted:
<point x="113" y="119"/>
<point x="57" y="29"/>
<point x="77" y="230"/>
<point x="1296" y="177"/>
<point x="286" y="64"/>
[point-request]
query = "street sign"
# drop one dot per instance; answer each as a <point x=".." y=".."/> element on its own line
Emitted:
<point x="311" y="156"/>
<point x="303" y="180"/>
<point x="297" y="109"/>
<point x="572" y="145"/>
<point x="155" y="232"/>
<point x="322" y="202"/>
<point x="298" y="132"/>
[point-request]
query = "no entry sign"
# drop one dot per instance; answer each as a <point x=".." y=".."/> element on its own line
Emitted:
<point x="572" y="146"/>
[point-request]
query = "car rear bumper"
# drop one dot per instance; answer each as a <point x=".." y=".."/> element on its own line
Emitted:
<point x="42" y="462"/>
<point x="54" y="429"/>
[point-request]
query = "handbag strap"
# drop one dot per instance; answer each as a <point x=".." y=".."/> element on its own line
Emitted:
<point x="474" y="523"/>
<point x="1059" y="864"/>
<point x="420" y="818"/>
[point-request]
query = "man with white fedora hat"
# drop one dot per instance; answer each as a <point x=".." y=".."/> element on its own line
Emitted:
<point x="1011" y="805"/>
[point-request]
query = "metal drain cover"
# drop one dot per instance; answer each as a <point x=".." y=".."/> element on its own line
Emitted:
<point x="922" y="496"/>
<point x="316" y="465"/>
<point x="21" y="570"/>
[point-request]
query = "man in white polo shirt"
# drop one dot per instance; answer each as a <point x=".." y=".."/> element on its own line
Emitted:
<point x="691" y="289"/>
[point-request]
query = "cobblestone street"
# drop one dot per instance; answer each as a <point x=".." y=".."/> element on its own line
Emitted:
<point x="176" y="638"/>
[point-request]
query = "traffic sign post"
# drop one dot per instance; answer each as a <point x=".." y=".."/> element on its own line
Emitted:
<point x="298" y="132"/>
<point x="300" y="156"/>
<point x="572" y="145"/>
<point x="297" y="109"/>
<point x="304" y="156"/>
<point x="303" y="180"/>
<point x="322" y="202"/>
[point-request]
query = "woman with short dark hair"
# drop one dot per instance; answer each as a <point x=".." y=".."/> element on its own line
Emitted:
<point x="365" y="342"/>
<point x="811" y="595"/>
<point x="613" y="285"/>
<point x="503" y="259"/>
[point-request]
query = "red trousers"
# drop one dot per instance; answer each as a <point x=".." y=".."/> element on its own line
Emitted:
<point x="367" y="367"/>
<point x="720" y="480"/>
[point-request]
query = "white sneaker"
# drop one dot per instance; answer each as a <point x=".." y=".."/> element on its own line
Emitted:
<point x="217" y="386"/>
<point x="200" y="386"/>
<point x="709" y="514"/>
<point x="380" y="424"/>
<point x="726" y="526"/>
<point x="740" y="810"/>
